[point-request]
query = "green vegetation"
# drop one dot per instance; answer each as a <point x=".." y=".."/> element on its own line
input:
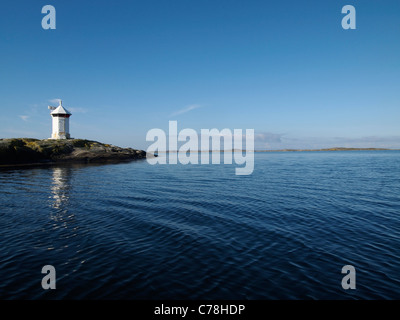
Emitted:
<point x="31" y="150"/>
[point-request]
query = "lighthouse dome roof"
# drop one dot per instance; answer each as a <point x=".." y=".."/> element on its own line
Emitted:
<point x="60" y="110"/>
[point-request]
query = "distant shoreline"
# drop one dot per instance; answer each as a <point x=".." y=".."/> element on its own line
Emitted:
<point x="291" y="150"/>
<point x="328" y="149"/>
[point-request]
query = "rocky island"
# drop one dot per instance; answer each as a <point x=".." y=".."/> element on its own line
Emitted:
<point x="30" y="151"/>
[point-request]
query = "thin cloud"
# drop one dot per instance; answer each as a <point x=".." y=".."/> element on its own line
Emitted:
<point x="288" y="142"/>
<point x="369" y="139"/>
<point x="24" y="117"/>
<point x="56" y="100"/>
<point x="77" y="110"/>
<point x="268" y="137"/>
<point x="22" y="133"/>
<point x="185" y="110"/>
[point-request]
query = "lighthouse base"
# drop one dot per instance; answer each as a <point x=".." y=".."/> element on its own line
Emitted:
<point x="59" y="136"/>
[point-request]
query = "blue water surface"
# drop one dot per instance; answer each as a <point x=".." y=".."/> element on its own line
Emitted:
<point x="137" y="231"/>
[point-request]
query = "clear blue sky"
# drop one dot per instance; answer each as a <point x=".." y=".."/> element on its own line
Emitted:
<point x="284" y="68"/>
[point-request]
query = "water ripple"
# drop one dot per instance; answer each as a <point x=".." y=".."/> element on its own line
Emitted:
<point x="135" y="231"/>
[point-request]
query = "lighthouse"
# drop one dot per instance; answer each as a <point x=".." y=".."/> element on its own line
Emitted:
<point x="60" y="119"/>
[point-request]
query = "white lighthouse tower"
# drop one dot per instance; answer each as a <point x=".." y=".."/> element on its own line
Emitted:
<point x="60" y="117"/>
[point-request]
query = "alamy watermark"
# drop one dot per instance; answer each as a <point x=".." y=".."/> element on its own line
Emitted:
<point x="349" y="280"/>
<point x="349" y="20"/>
<point x="197" y="148"/>
<point x="49" y="280"/>
<point x="49" y="20"/>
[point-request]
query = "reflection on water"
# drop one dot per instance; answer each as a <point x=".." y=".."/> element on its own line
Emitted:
<point x="60" y="190"/>
<point x="60" y="187"/>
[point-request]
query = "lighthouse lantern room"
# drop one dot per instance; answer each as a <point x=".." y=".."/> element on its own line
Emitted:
<point x="60" y="119"/>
